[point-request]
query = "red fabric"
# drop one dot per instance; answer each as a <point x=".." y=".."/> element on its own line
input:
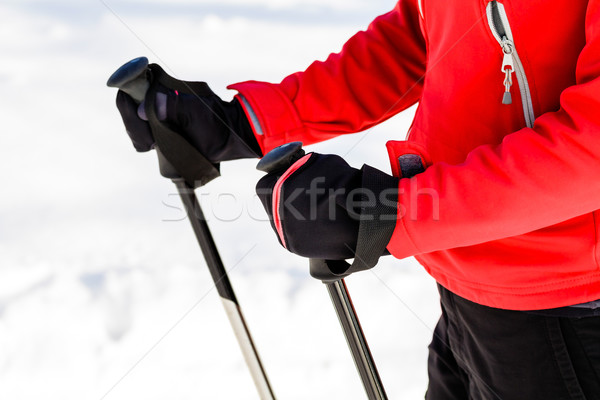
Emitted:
<point x="505" y="215"/>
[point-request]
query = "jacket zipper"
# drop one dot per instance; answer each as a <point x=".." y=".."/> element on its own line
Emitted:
<point x="511" y="63"/>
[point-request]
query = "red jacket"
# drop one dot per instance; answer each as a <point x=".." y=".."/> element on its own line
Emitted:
<point x="506" y="214"/>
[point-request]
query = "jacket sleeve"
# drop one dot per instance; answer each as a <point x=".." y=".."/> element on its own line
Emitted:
<point x="534" y="179"/>
<point x="377" y="74"/>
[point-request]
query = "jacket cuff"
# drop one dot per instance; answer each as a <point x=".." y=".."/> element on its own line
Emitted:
<point x="407" y="159"/>
<point x="274" y="119"/>
<point x="401" y="244"/>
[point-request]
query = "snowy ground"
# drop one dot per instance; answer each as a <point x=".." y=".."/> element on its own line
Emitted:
<point x="103" y="291"/>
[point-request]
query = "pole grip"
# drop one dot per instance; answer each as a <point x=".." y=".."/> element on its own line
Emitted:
<point x="281" y="158"/>
<point x="132" y="78"/>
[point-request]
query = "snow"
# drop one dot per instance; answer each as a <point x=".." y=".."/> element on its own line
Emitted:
<point x="104" y="293"/>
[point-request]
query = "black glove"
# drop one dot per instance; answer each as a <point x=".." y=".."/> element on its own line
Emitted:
<point x="321" y="207"/>
<point x="219" y="130"/>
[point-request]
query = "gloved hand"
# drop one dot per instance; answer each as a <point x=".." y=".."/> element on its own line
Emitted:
<point x="321" y="207"/>
<point x="219" y="130"/>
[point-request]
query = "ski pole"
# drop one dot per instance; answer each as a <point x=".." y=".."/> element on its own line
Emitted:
<point x="131" y="78"/>
<point x="279" y="159"/>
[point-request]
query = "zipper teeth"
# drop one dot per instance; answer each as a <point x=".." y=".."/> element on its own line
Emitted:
<point x="491" y="23"/>
<point x="525" y="91"/>
<point x="519" y="70"/>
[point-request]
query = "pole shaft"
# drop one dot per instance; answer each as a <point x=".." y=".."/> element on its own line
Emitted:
<point x="223" y="286"/>
<point x="356" y="340"/>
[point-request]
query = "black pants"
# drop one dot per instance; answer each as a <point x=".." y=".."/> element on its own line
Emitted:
<point x="483" y="353"/>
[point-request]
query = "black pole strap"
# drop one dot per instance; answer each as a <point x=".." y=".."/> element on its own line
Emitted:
<point x="375" y="229"/>
<point x="377" y="224"/>
<point x="184" y="158"/>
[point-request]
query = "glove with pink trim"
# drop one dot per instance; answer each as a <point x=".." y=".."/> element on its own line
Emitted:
<point x="321" y="207"/>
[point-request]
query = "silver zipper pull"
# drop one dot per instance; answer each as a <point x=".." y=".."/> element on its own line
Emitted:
<point x="508" y="67"/>
<point x="507" y="98"/>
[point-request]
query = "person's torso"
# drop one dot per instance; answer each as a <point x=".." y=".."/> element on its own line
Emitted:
<point x="470" y="45"/>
